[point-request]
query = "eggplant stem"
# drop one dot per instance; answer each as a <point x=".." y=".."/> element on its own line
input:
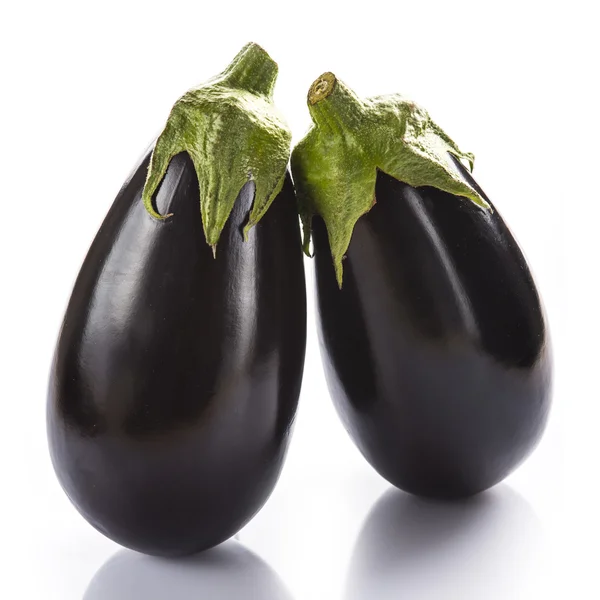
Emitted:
<point x="229" y="127"/>
<point x="335" y="165"/>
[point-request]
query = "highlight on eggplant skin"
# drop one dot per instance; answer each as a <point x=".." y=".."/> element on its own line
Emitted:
<point x="436" y="348"/>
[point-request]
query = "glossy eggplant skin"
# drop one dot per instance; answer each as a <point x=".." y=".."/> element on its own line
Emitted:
<point x="176" y="376"/>
<point x="436" y="349"/>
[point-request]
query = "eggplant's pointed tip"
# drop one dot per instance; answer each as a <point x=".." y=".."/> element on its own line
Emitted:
<point x="155" y="214"/>
<point x="470" y="158"/>
<point x="306" y="246"/>
<point x="246" y="230"/>
<point x="480" y="201"/>
<point x="339" y="274"/>
<point x="482" y="205"/>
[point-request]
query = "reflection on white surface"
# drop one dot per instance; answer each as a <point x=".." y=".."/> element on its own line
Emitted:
<point x="481" y="548"/>
<point x="228" y="572"/>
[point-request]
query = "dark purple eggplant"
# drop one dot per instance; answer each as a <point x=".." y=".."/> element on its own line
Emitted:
<point x="433" y="337"/>
<point x="176" y="376"/>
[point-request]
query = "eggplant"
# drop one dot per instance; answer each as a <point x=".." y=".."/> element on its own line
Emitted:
<point x="176" y="376"/>
<point x="433" y="337"/>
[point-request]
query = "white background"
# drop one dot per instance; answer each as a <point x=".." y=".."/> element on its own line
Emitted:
<point x="86" y="86"/>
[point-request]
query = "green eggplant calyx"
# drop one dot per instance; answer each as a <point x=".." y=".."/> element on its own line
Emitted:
<point x="335" y="165"/>
<point x="233" y="133"/>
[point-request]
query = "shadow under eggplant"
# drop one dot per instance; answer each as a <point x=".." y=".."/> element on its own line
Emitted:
<point x="227" y="572"/>
<point x="483" y="547"/>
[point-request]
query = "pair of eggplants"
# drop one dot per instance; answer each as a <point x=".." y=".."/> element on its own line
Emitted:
<point x="178" y="367"/>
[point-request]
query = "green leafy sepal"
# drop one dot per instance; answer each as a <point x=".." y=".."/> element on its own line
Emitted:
<point x="233" y="133"/>
<point x="335" y="166"/>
